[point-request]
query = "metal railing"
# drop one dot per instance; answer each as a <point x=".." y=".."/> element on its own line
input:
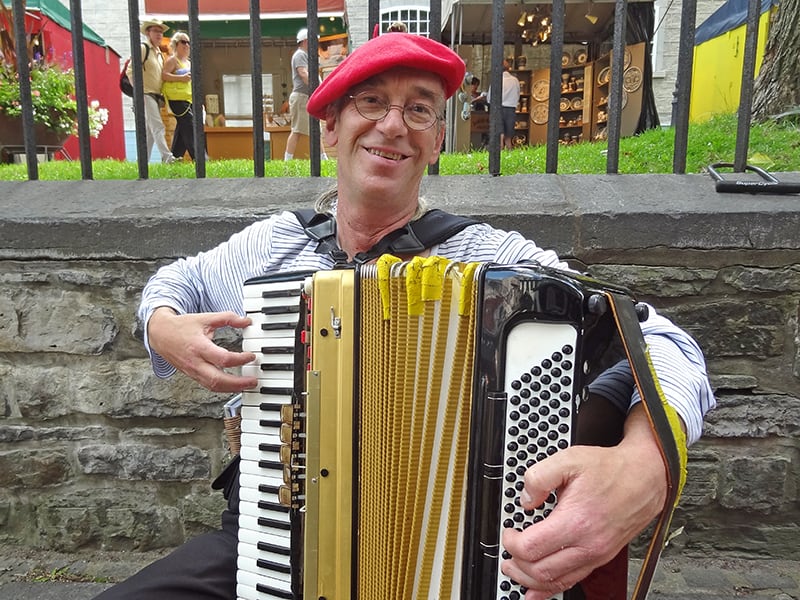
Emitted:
<point x="680" y="114"/>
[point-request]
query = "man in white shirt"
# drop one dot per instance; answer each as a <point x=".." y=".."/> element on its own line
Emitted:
<point x="383" y="109"/>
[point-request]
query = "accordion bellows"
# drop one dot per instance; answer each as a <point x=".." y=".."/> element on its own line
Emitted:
<point x="398" y="408"/>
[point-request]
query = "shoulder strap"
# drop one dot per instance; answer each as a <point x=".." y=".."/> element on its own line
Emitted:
<point x="432" y="228"/>
<point x="664" y="422"/>
<point x="146" y="55"/>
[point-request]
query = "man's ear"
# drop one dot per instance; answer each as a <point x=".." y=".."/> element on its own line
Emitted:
<point x="329" y="130"/>
<point x="437" y="147"/>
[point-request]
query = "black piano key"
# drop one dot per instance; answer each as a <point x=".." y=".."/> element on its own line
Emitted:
<point x="279" y="310"/>
<point x="266" y="589"/>
<point x="278" y="325"/>
<point x="277" y="367"/>
<point x="277" y="391"/>
<point x="275" y="524"/>
<point x="275" y="549"/>
<point x="266" y="505"/>
<point x="271" y="464"/>
<point x="263" y="563"/>
<point x="277" y="350"/>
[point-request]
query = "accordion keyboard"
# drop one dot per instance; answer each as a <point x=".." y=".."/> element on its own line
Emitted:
<point x="265" y="527"/>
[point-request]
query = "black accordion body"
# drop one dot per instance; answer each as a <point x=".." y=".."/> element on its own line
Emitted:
<point x="398" y="407"/>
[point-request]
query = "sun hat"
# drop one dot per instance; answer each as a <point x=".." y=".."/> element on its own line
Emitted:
<point x="385" y="52"/>
<point x="302" y="35"/>
<point x="147" y="24"/>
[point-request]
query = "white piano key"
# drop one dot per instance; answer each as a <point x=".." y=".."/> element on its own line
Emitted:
<point x="251" y="522"/>
<point x="247" y="582"/>
<point x="255" y="398"/>
<point x="256" y="454"/>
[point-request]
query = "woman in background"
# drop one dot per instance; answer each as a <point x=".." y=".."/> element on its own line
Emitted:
<point x="177" y="89"/>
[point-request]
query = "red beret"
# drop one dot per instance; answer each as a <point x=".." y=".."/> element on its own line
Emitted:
<point x="385" y="52"/>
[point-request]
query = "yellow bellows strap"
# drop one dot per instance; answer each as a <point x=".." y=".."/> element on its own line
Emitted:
<point x="423" y="390"/>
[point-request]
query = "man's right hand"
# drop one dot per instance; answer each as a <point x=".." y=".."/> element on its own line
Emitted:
<point x="185" y="341"/>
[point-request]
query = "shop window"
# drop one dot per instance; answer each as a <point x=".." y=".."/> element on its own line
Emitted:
<point x="414" y="17"/>
<point x="237" y="96"/>
<point x="657" y="53"/>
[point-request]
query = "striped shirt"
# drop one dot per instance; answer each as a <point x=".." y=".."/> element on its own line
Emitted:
<point x="212" y="281"/>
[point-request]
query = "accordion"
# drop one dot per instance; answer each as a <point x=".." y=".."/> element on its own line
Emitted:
<point x="398" y="407"/>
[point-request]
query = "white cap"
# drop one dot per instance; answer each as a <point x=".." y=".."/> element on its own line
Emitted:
<point x="302" y="35"/>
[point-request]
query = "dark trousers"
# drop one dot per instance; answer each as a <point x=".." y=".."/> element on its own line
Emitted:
<point x="203" y="568"/>
<point x="183" y="138"/>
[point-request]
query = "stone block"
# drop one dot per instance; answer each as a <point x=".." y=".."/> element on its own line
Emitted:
<point x="143" y="462"/>
<point x="25" y="327"/>
<point x="756" y="484"/>
<point x="746" y="328"/>
<point x="122" y="389"/>
<point x="656" y="281"/>
<point x="114" y="519"/>
<point x="29" y="469"/>
<point x="754" y="416"/>
<point x="752" y="279"/>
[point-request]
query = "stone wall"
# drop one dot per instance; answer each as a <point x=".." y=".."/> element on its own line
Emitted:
<point x="95" y="452"/>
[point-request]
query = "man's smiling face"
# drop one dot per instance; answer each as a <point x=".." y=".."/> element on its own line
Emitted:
<point x="386" y="158"/>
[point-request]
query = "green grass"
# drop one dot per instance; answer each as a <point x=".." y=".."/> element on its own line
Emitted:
<point x="774" y="146"/>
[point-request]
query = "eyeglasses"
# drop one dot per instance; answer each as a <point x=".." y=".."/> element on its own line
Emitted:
<point x="416" y="116"/>
<point x="183" y="42"/>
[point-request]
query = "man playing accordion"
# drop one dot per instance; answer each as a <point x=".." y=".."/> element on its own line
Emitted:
<point x="383" y="110"/>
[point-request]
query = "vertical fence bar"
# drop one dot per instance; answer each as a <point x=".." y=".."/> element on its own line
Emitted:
<point x="373" y="16"/>
<point x="138" y="91"/>
<point x="615" y="92"/>
<point x="25" y="96"/>
<point x="79" y="68"/>
<point x="683" y="86"/>
<point x="435" y="19"/>
<point x="554" y="95"/>
<point x="314" y="145"/>
<point x="257" y="88"/>
<point x="748" y="80"/>
<point x="197" y="90"/>
<point x="496" y="85"/>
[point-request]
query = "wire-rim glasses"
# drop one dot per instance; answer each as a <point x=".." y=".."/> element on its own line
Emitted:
<point x="417" y="115"/>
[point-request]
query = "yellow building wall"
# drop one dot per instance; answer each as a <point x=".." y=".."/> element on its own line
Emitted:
<point x="717" y="71"/>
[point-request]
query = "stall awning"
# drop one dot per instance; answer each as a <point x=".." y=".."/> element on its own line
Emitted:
<point x="228" y="10"/>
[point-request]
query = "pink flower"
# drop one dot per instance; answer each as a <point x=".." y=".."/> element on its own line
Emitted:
<point x="36" y="93"/>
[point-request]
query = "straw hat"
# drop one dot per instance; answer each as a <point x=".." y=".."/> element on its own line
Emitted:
<point x="153" y="23"/>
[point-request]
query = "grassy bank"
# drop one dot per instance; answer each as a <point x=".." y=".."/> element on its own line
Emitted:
<point x="773" y="146"/>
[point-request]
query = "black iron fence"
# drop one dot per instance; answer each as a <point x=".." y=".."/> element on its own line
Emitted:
<point x="680" y="113"/>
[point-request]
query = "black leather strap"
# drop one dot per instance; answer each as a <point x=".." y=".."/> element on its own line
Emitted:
<point x="432" y="228"/>
<point x="627" y="320"/>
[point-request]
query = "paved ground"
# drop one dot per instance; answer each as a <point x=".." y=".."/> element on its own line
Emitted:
<point x="49" y="576"/>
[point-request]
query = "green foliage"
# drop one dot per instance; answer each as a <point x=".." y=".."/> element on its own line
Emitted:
<point x="53" y="98"/>
<point x="773" y="145"/>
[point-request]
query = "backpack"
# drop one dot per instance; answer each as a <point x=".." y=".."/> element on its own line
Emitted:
<point x="125" y="83"/>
